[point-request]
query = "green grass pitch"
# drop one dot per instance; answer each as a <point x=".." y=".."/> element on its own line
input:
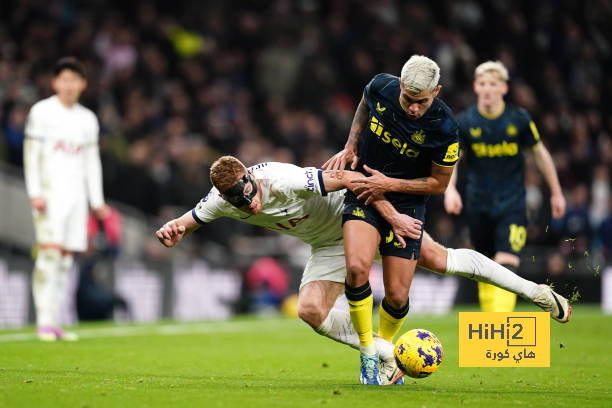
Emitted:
<point x="275" y="362"/>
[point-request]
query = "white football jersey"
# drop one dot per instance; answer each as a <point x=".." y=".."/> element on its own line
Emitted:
<point x="294" y="202"/>
<point x="61" y="153"/>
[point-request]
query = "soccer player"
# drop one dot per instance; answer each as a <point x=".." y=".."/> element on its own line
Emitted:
<point x="494" y="136"/>
<point x="406" y="138"/>
<point x="297" y="201"/>
<point x="62" y="173"/>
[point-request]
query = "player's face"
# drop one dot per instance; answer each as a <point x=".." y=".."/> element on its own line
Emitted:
<point x="416" y="105"/>
<point x="68" y="86"/>
<point x="255" y="206"/>
<point x="489" y="88"/>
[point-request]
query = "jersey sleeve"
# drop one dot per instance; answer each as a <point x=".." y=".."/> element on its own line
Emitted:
<point x="93" y="164"/>
<point x="372" y="89"/>
<point x="529" y="135"/>
<point x="34" y="127"/>
<point x="209" y="208"/>
<point x="32" y="152"/>
<point x="447" y="154"/>
<point x="94" y="128"/>
<point x="302" y="181"/>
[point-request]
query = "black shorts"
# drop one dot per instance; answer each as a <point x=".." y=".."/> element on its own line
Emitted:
<point x="389" y="245"/>
<point x="505" y="232"/>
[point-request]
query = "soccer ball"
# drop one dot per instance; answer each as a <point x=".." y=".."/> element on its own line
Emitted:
<point x="418" y="353"/>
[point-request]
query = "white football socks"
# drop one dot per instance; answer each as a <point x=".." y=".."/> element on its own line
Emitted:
<point x="45" y="274"/>
<point x="474" y="265"/>
<point x="339" y="327"/>
<point x="61" y="285"/>
<point x="49" y="285"/>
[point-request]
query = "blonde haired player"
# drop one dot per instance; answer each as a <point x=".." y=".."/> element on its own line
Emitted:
<point x="63" y="174"/>
<point x="494" y="136"/>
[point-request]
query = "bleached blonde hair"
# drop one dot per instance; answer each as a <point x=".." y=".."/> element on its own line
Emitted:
<point x="495" y="68"/>
<point x="420" y="73"/>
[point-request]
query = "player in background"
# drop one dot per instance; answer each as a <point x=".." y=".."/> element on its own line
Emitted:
<point x="494" y="136"/>
<point x="62" y="173"/>
<point x="300" y="202"/>
<point x="407" y="139"/>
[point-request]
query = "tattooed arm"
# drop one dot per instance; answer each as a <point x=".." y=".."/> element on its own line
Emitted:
<point x="349" y="153"/>
<point x="373" y="187"/>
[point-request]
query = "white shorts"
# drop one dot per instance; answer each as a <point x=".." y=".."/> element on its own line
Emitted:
<point x="327" y="264"/>
<point x="63" y="223"/>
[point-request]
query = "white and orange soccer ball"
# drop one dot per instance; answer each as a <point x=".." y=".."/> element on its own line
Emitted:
<point x="418" y="353"/>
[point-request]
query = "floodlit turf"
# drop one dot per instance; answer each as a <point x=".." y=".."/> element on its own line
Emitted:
<point x="250" y="362"/>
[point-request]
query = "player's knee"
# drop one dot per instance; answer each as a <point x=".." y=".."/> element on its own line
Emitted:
<point x="433" y="257"/>
<point x="397" y="298"/>
<point x="311" y="313"/>
<point x="48" y="254"/>
<point x="357" y="267"/>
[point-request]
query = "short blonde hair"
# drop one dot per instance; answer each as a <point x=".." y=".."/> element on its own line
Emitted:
<point x="420" y="73"/>
<point x="224" y="172"/>
<point x="492" y="67"/>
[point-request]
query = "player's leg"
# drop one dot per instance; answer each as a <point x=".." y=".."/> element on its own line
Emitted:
<point x="482" y="236"/>
<point x="315" y="307"/>
<point x="322" y="282"/>
<point x="46" y="268"/>
<point x="315" y="301"/>
<point x="473" y="265"/>
<point x="61" y="284"/>
<point x="398" y="269"/>
<point x="72" y="233"/>
<point x="500" y="300"/>
<point x="360" y="244"/>
<point x="397" y="276"/>
<point x="510" y="238"/>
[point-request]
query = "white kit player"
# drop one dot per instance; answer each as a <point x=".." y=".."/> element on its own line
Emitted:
<point x="63" y="175"/>
<point x="302" y="202"/>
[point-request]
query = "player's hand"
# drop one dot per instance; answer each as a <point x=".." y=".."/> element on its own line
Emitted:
<point x="170" y="234"/>
<point x="452" y="201"/>
<point x="102" y="212"/>
<point x="557" y="205"/>
<point x="39" y="204"/>
<point x="370" y="188"/>
<point x="405" y="226"/>
<point x="338" y="161"/>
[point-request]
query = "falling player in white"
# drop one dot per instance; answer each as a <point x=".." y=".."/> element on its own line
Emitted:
<point x="62" y="172"/>
<point x="297" y="201"/>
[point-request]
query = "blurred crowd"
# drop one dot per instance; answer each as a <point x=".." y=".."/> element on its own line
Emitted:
<point x="176" y="84"/>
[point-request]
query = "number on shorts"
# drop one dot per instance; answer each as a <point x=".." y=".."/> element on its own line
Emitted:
<point x="518" y="236"/>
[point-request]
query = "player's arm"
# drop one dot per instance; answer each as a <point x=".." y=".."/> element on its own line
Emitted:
<point x="349" y="153"/>
<point x="452" y="199"/>
<point x="172" y="232"/>
<point x="402" y="224"/>
<point x="547" y="168"/>
<point x="373" y="187"/>
<point x="32" y="157"/>
<point x="93" y="172"/>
